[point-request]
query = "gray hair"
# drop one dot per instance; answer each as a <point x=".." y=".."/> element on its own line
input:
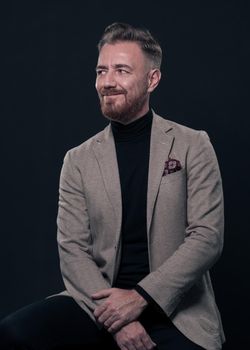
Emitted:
<point x="125" y="32"/>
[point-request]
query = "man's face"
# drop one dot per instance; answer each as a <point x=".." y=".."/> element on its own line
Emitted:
<point x="122" y="81"/>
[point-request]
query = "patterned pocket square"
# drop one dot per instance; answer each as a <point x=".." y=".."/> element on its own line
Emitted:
<point x="171" y="166"/>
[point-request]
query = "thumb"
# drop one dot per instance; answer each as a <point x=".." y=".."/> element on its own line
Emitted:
<point x="104" y="293"/>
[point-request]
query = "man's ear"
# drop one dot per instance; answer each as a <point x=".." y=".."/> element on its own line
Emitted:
<point x="154" y="77"/>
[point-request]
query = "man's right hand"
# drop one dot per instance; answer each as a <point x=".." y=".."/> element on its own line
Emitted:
<point x="133" y="336"/>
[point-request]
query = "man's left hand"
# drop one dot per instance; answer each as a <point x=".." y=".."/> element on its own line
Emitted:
<point x="120" y="307"/>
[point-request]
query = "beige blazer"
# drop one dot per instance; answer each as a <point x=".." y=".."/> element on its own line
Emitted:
<point x="184" y="226"/>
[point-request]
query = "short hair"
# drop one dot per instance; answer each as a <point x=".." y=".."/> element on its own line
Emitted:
<point x="125" y="32"/>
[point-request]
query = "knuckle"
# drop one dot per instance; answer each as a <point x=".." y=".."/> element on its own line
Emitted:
<point x="141" y="334"/>
<point x="126" y="342"/>
<point x="112" y="308"/>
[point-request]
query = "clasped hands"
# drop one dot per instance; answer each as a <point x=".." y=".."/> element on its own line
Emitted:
<point x="118" y="313"/>
<point x="119" y="307"/>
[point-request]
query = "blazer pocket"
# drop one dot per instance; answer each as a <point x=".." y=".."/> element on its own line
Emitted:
<point x="169" y="178"/>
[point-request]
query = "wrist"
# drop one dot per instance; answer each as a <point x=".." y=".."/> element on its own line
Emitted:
<point x="140" y="299"/>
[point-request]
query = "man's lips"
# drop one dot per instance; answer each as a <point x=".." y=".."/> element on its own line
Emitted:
<point x="112" y="93"/>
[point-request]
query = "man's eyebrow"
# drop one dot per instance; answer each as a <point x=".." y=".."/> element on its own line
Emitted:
<point x="122" y="65"/>
<point x="101" y="67"/>
<point x="116" y="66"/>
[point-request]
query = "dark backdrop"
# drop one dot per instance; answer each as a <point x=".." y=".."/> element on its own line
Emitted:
<point x="49" y="104"/>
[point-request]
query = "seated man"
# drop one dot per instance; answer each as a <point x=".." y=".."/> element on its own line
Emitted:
<point x="140" y="223"/>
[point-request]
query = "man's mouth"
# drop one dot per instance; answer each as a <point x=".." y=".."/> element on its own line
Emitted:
<point x="112" y="93"/>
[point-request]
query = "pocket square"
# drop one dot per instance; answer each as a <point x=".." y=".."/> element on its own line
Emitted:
<point x="171" y="166"/>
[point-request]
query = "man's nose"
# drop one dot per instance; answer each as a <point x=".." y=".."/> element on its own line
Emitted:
<point x="109" y="79"/>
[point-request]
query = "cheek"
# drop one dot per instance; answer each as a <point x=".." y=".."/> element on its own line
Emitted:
<point x="135" y="90"/>
<point x="97" y="85"/>
<point x="130" y="87"/>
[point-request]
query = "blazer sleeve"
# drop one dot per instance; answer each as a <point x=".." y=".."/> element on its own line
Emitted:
<point x="80" y="273"/>
<point x="204" y="231"/>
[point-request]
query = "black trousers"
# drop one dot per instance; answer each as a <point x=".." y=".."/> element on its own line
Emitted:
<point x="58" y="323"/>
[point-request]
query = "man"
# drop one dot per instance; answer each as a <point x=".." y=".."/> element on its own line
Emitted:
<point x="140" y="223"/>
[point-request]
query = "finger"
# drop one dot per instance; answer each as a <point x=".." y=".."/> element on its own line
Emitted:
<point x="116" y="325"/>
<point x="105" y="316"/>
<point x="104" y="293"/>
<point x="139" y="345"/>
<point x="148" y="342"/>
<point x="130" y="346"/>
<point x="99" y="310"/>
<point x="123" y="347"/>
<point x="109" y="321"/>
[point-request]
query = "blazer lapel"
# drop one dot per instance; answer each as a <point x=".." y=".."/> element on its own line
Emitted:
<point x="160" y="148"/>
<point x="105" y="153"/>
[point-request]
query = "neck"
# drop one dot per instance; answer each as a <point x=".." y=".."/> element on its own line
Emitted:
<point x="132" y="131"/>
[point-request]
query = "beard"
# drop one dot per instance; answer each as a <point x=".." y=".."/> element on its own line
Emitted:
<point x="125" y="111"/>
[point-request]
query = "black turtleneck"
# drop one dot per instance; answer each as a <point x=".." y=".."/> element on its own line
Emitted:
<point x="132" y="143"/>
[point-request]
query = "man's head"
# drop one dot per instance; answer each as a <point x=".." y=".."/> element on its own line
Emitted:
<point x="128" y="70"/>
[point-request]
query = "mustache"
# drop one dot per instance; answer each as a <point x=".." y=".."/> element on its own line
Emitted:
<point x="109" y="92"/>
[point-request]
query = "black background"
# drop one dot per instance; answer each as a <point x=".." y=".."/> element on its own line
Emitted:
<point x="49" y="104"/>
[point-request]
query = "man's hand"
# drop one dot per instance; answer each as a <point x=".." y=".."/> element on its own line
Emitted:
<point x="133" y="336"/>
<point x="120" y="307"/>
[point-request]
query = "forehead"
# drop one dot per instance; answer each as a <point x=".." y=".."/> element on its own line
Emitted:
<point x="121" y="52"/>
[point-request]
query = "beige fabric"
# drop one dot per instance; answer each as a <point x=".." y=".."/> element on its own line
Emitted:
<point x="184" y="225"/>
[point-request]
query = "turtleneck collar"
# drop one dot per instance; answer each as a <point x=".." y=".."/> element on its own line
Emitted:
<point x="133" y="130"/>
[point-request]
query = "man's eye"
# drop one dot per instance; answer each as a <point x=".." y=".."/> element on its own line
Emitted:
<point x="122" y="71"/>
<point x="100" y="72"/>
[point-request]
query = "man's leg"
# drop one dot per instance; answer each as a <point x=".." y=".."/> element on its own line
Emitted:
<point x="53" y="323"/>
<point x="170" y="338"/>
<point x="164" y="333"/>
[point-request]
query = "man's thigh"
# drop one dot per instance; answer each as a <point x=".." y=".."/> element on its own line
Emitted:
<point x="56" y="322"/>
<point x="164" y="333"/>
<point x="170" y="338"/>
